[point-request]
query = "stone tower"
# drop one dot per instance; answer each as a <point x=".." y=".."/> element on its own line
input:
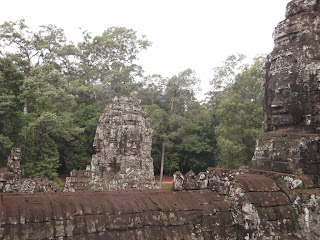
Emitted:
<point x="123" y="143"/>
<point x="291" y="93"/>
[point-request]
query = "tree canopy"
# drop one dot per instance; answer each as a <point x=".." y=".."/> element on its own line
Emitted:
<point x="53" y="91"/>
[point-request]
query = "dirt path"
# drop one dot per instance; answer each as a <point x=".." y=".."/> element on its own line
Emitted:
<point x="167" y="180"/>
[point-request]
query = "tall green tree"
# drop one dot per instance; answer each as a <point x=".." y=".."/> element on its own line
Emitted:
<point x="180" y="91"/>
<point x="49" y="118"/>
<point x="151" y="90"/>
<point x="239" y="118"/>
<point x="107" y="63"/>
<point x="29" y="49"/>
<point x="190" y="148"/>
<point x="180" y="139"/>
<point x="224" y="77"/>
<point x="76" y="153"/>
<point x="32" y="48"/>
<point x="160" y="139"/>
<point x="10" y="107"/>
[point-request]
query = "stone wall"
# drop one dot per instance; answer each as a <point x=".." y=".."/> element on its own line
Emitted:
<point x="264" y="204"/>
<point x="131" y="214"/>
<point x="123" y="144"/>
<point x="217" y="204"/>
<point x="259" y="206"/>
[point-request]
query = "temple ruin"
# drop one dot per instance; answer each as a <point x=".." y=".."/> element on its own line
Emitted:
<point x="277" y="197"/>
<point x="123" y="144"/>
<point x="11" y="181"/>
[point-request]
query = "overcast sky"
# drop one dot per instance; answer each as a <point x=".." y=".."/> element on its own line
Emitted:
<point x="196" y="34"/>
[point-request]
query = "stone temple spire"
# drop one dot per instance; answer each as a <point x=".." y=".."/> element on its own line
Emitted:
<point x="123" y="144"/>
<point x="291" y="93"/>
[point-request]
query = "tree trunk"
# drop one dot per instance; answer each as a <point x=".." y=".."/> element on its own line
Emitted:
<point x="162" y="162"/>
<point x="25" y="108"/>
<point x="171" y="105"/>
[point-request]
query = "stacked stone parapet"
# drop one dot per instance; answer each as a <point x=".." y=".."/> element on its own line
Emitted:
<point x="79" y="180"/>
<point x="10" y="176"/>
<point x="30" y="185"/>
<point x="260" y="205"/>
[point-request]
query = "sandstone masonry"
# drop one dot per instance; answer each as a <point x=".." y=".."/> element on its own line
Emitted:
<point x="278" y="197"/>
<point x="290" y="143"/>
<point x="123" y="144"/>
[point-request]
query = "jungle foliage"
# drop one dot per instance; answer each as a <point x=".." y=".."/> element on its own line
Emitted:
<point x="53" y="91"/>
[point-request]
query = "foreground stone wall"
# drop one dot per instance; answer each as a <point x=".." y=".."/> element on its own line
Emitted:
<point x="217" y="204"/>
<point x="123" y="144"/>
<point x="259" y="206"/>
<point x="133" y="214"/>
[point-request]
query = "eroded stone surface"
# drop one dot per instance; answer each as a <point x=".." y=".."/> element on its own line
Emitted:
<point x="123" y="144"/>
<point x="290" y="144"/>
<point x="132" y="214"/>
<point x="14" y="161"/>
<point x="259" y="207"/>
<point x="291" y="93"/>
<point x="11" y="174"/>
<point x="291" y="90"/>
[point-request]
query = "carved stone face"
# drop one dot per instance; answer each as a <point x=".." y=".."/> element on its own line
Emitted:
<point x="123" y="145"/>
<point x="292" y="103"/>
<point x="292" y="71"/>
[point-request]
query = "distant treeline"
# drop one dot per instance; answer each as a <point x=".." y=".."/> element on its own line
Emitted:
<point x="53" y="91"/>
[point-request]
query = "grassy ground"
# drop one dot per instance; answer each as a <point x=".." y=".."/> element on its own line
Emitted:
<point x="166" y="186"/>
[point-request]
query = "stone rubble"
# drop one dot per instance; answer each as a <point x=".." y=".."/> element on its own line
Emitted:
<point x="10" y="181"/>
<point x="11" y="174"/>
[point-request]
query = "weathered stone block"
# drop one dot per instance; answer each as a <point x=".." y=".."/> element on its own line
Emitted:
<point x="256" y="183"/>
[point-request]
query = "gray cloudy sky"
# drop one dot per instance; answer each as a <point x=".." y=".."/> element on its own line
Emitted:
<point x="196" y="34"/>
